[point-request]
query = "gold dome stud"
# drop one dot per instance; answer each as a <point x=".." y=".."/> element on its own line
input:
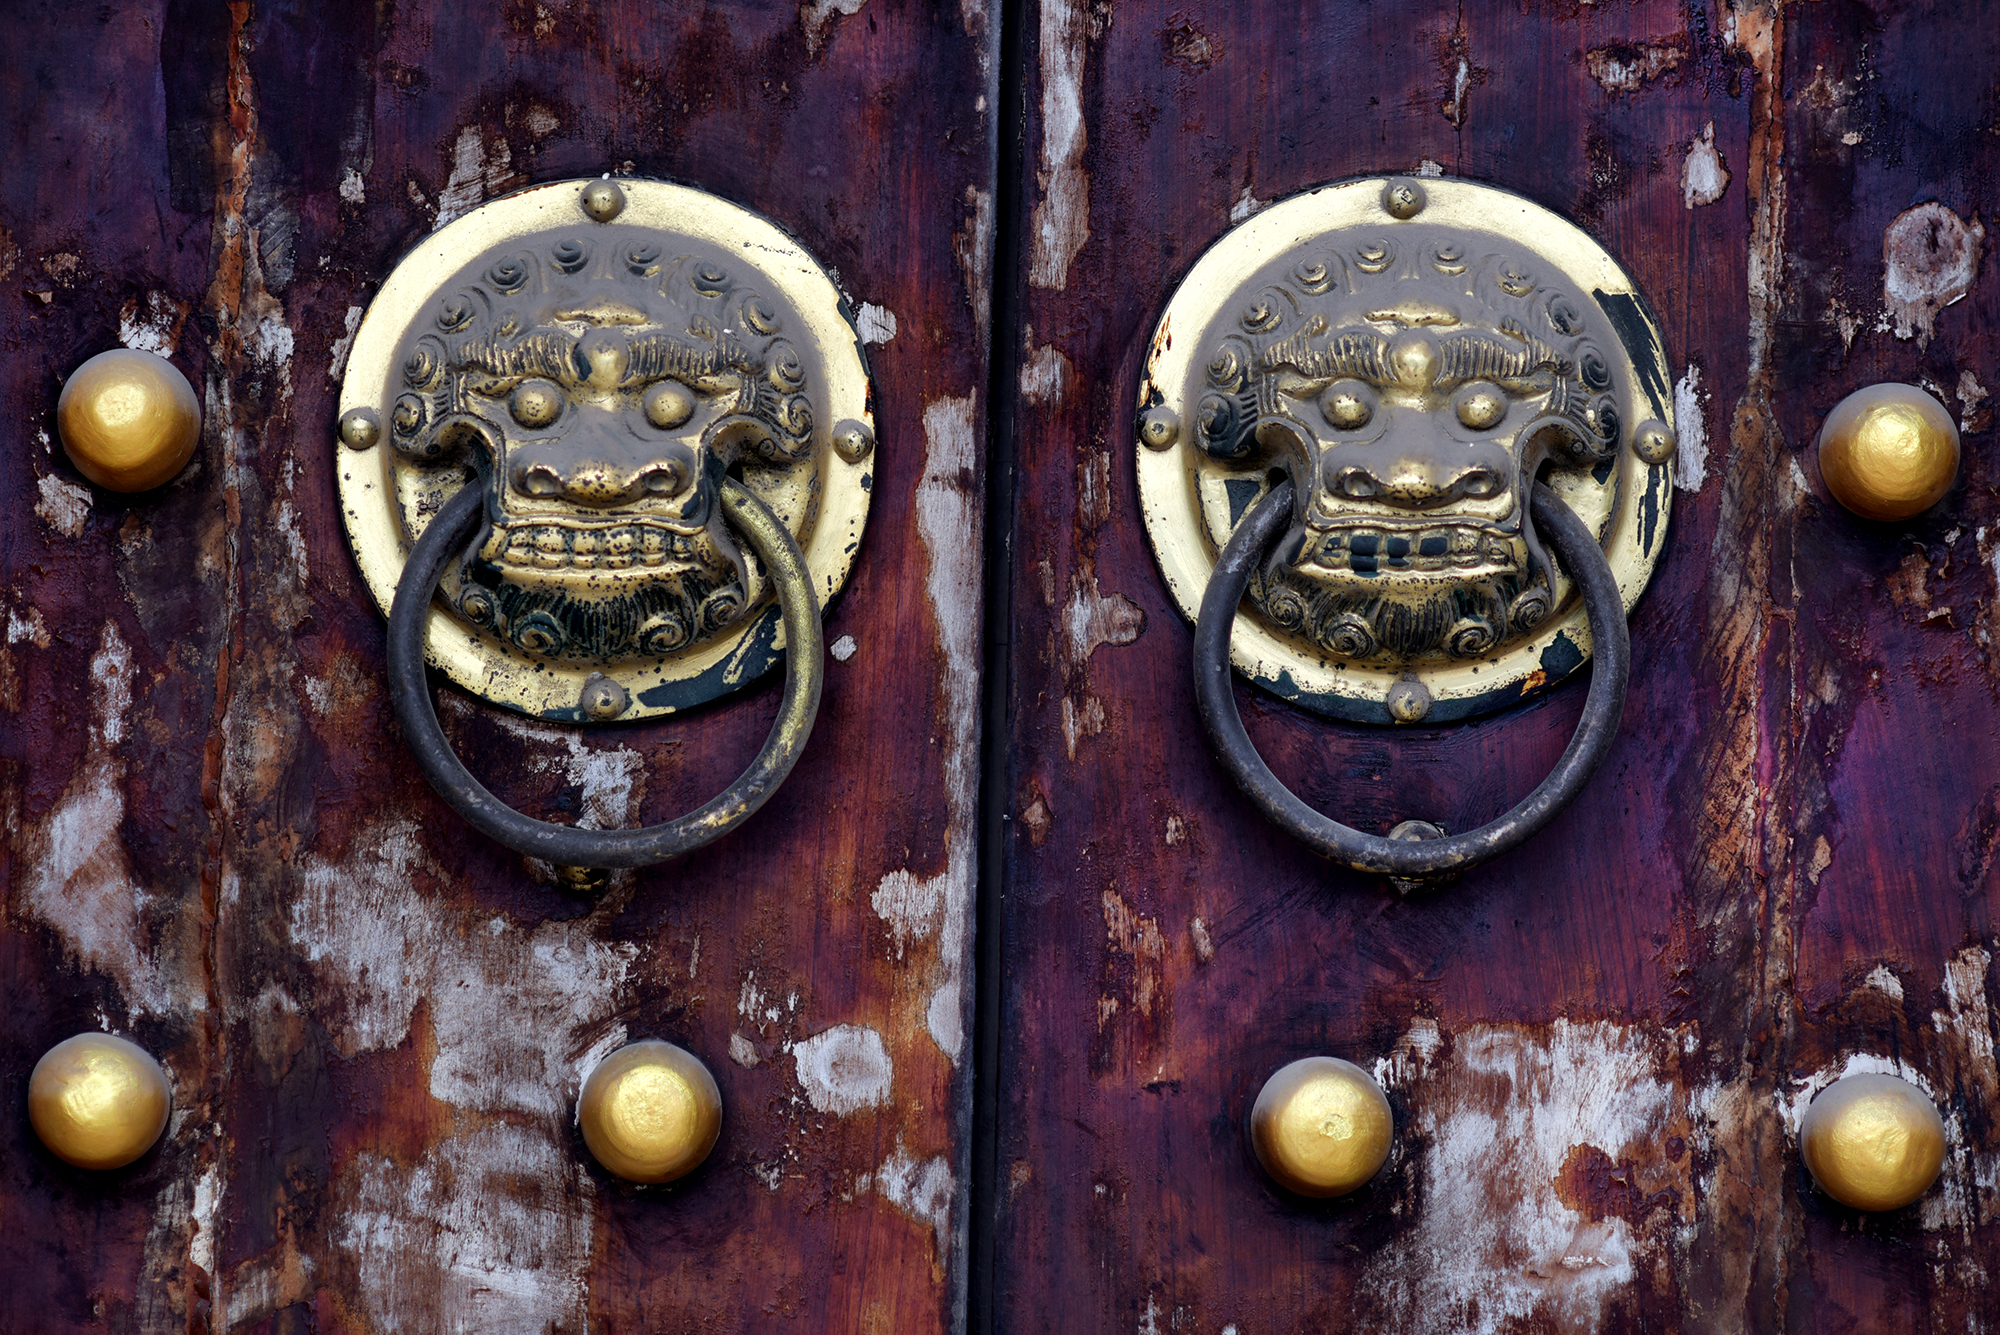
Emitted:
<point x="128" y="420"/>
<point x="98" y="1101"/>
<point x="1872" y="1142"/>
<point x="1888" y="452"/>
<point x="1321" y="1127"/>
<point x="650" y="1112"/>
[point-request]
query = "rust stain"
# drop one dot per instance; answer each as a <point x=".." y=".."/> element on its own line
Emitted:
<point x="1930" y="260"/>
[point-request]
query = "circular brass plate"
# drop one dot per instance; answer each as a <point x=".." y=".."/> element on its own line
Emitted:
<point x="1192" y="501"/>
<point x="387" y="499"/>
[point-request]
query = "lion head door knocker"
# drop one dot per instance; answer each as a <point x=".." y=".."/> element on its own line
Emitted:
<point x="1427" y="428"/>
<point x="607" y="451"/>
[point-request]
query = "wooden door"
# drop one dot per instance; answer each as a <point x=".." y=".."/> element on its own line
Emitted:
<point x="216" y="843"/>
<point x="1596" y="1047"/>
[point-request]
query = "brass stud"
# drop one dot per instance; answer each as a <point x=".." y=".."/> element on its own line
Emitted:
<point x="359" y="429"/>
<point x="1654" y="442"/>
<point x="603" y="200"/>
<point x="129" y="420"/>
<point x="1159" y="427"/>
<point x="650" y="1112"/>
<point x="1321" y="1127"/>
<point x="1403" y="198"/>
<point x="98" y="1101"/>
<point x="1408" y="701"/>
<point x="602" y="698"/>
<point x="853" y="441"/>
<point x="1888" y="452"/>
<point x="1872" y="1142"/>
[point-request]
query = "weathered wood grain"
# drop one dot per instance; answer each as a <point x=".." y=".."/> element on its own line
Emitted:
<point x="1597" y="1045"/>
<point x="377" y="1020"/>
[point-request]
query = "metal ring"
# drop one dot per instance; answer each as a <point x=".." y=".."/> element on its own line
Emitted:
<point x="566" y="845"/>
<point x="1611" y="653"/>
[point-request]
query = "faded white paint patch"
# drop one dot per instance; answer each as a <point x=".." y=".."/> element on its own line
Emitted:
<point x="816" y="15"/>
<point x="64" y="506"/>
<point x="79" y="881"/>
<point x="921" y="1189"/>
<point x="1428" y="168"/>
<point x="1884" y="980"/>
<point x="1691" y="430"/>
<point x="202" y="1214"/>
<point x="1454" y="107"/>
<point x="493" y="1223"/>
<point x="1092" y="618"/>
<point x="1930" y="259"/>
<point x="1045" y="376"/>
<point x="973" y="247"/>
<point x="844" y="1069"/>
<point x="1972" y="398"/>
<point x="842" y="649"/>
<point x="874" y="324"/>
<point x="949" y="524"/>
<point x="1496" y="1128"/>
<point x="153" y="327"/>
<point x="336" y="366"/>
<point x="26" y="624"/>
<point x="1704" y="175"/>
<point x="1062" y="220"/>
<point x="1628" y="68"/>
<point x="1247" y="206"/>
<point x="743" y="1052"/>
<point x="476" y="172"/>
<point x="353" y="189"/>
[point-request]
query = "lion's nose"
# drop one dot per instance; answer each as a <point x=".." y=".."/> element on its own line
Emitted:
<point x="1412" y="483"/>
<point x="601" y="479"/>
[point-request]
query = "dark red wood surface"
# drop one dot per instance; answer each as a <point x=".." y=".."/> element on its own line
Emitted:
<point x="1595" y="1046"/>
<point x="375" y="1020"/>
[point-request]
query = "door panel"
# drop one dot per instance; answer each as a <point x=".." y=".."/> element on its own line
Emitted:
<point x="376" y="1020"/>
<point x="1596" y="1046"/>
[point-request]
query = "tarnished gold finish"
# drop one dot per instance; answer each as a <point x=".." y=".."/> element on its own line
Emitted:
<point x="1321" y="1127"/>
<point x="98" y="1101"/>
<point x="1412" y="356"/>
<point x="1888" y="452"/>
<point x="1872" y="1142"/>
<point x="595" y="354"/>
<point x="650" y="1112"/>
<point x="129" y="420"/>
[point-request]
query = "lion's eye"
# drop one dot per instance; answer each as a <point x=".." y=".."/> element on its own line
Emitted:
<point x="1480" y="405"/>
<point x="669" y="404"/>
<point x="1347" y="405"/>
<point x="536" y="403"/>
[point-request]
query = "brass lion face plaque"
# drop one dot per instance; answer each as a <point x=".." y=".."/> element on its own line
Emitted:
<point x="1413" y="356"/>
<point x="597" y="356"/>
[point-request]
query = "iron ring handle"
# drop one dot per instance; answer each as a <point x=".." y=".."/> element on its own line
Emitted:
<point x="566" y="845"/>
<point x="1611" y="650"/>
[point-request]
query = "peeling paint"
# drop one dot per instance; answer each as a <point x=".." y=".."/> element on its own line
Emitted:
<point x="1045" y="376"/>
<point x="1704" y="175"/>
<point x="922" y="1189"/>
<point x="1091" y="618"/>
<point x="477" y="172"/>
<point x="843" y="1069"/>
<point x="1691" y="430"/>
<point x="1626" y="67"/>
<point x="64" y="505"/>
<point x="842" y="649"/>
<point x="153" y="327"/>
<point x="1930" y="259"/>
<point x="336" y="366"/>
<point x="972" y="246"/>
<point x="1974" y="414"/>
<point x="815" y="16"/>
<point x="874" y="325"/>
<point x="1061" y="223"/>
<point x="1247" y="206"/>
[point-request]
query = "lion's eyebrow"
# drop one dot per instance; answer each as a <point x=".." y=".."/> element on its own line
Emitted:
<point x="545" y="352"/>
<point x="1480" y="356"/>
<point x="1360" y="353"/>
<point x="658" y="356"/>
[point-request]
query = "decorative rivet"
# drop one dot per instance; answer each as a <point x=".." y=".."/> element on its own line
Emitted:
<point x="129" y="420"/>
<point x="1321" y="1127"/>
<point x="603" y="200"/>
<point x="359" y="429"/>
<point x="1888" y="452"/>
<point x="98" y="1101"/>
<point x="1872" y="1142"/>
<point x="1159" y="427"/>
<point x="650" y="1112"/>
<point x="1654" y="441"/>
<point x="1403" y="198"/>
<point x="853" y="441"/>
<point x="602" y="698"/>
<point x="1408" y="701"/>
<point x="1409" y="832"/>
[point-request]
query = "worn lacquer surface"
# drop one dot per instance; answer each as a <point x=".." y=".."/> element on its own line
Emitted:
<point x="1597" y="1047"/>
<point x="375" y="1020"/>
